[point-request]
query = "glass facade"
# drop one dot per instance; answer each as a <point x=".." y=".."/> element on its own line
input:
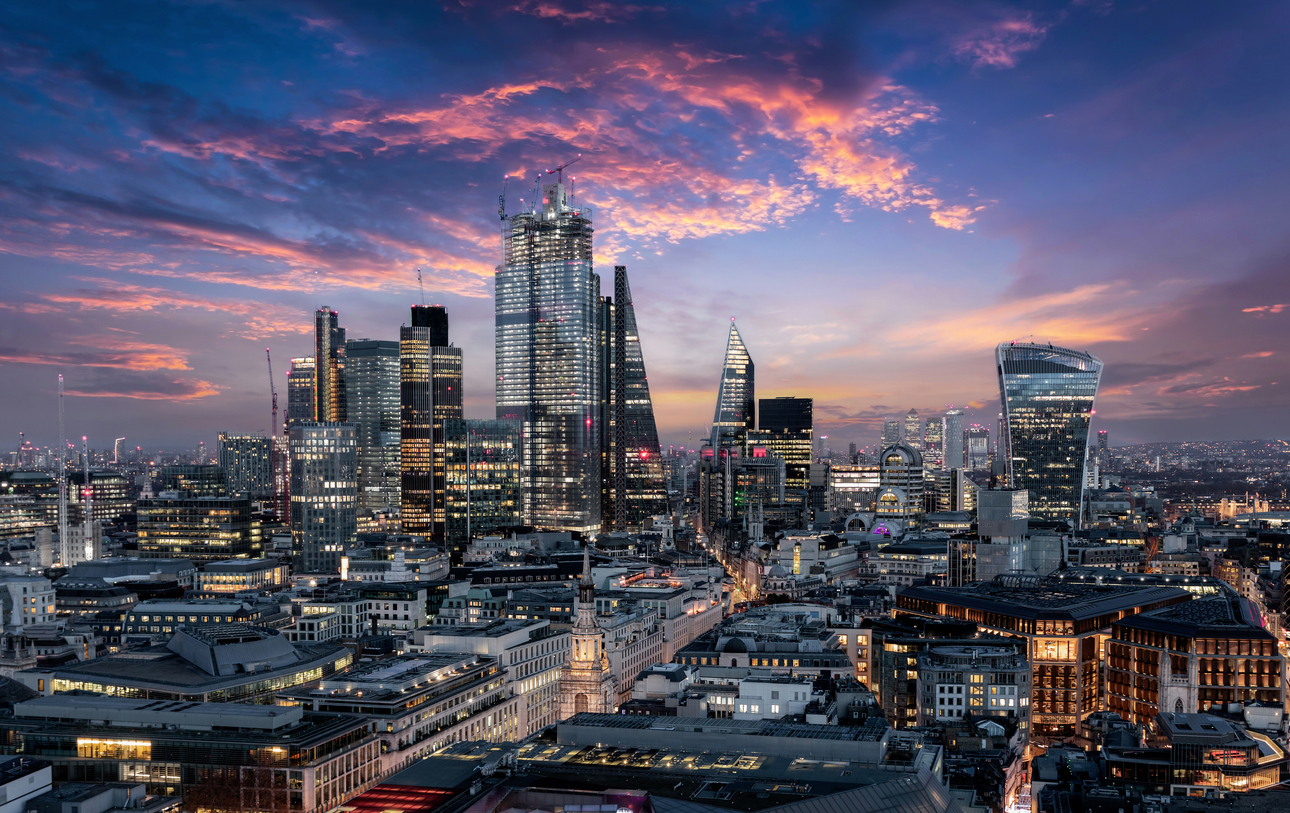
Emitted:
<point x="977" y="441"/>
<point x="952" y="439"/>
<point x="786" y="431"/>
<point x="372" y="403"/>
<point x="300" y="391"/>
<point x="329" y="369"/>
<point x="483" y="459"/>
<point x="324" y="493"/>
<point x="914" y="429"/>
<point x="430" y="394"/>
<point x="548" y="367"/>
<point x="247" y="462"/>
<point x="634" y="483"/>
<point x="200" y="529"/>
<point x="1047" y="395"/>
<point x="736" y="407"/>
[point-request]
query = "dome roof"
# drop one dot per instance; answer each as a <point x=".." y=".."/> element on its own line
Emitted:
<point x="735" y="645"/>
<point x="900" y="454"/>
<point x="777" y="572"/>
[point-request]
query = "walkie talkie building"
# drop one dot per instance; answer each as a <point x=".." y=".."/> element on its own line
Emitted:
<point x="1047" y="396"/>
<point x="548" y="365"/>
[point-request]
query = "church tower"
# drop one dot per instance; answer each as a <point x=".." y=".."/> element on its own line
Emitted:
<point x="586" y="684"/>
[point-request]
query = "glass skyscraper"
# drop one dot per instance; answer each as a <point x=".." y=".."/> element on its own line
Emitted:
<point x="372" y="405"/>
<point x="952" y="439"/>
<point x="736" y="407"/>
<point x="324" y="493"/>
<point x="329" y="375"/>
<point x="302" y="404"/>
<point x="548" y="347"/>
<point x="914" y="429"/>
<point x="483" y="460"/>
<point x="247" y="461"/>
<point x="978" y="446"/>
<point x="634" y="485"/>
<point x="430" y="394"/>
<point x="785" y="430"/>
<point x="1047" y="395"/>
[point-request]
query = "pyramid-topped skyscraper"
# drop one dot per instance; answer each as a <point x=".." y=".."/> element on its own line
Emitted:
<point x="736" y="412"/>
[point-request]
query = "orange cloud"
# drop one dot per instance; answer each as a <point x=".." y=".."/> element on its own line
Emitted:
<point x="1261" y="309"/>
<point x="999" y="44"/>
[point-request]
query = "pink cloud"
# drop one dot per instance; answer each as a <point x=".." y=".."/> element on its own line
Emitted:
<point x="1001" y="43"/>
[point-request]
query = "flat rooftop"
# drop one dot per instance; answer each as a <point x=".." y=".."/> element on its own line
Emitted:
<point x="1046" y="598"/>
<point x="142" y="713"/>
<point x="243" y="565"/>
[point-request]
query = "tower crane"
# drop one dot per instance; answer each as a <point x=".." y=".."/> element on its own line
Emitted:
<point x="501" y="199"/>
<point x="422" y="286"/>
<point x="559" y="171"/>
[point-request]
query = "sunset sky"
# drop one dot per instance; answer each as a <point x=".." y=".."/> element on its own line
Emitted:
<point x="879" y="192"/>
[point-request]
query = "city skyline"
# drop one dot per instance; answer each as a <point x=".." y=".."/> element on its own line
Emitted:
<point x="1022" y="169"/>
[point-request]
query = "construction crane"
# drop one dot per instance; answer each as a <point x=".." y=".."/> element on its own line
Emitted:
<point x="501" y="199"/>
<point x="559" y="171"/>
<point x="422" y="286"/>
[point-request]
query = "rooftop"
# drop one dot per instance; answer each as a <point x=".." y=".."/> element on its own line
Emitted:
<point x="243" y="565"/>
<point x="142" y="713"/>
<point x="1222" y="615"/>
<point x="1023" y="596"/>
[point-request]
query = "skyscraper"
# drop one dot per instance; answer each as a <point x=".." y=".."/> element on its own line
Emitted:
<point x="329" y="358"/>
<point x="372" y="403"/>
<point x="890" y="433"/>
<point x="736" y="409"/>
<point x="302" y="403"/>
<point x="548" y="358"/>
<point x="634" y="486"/>
<point x="978" y="446"/>
<point x="952" y="439"/>
<point x="933" y="443"/>
<point x="1047" y="395"/>
<point x="324" y="493"/>
<point x="430" y="393"/>
<point x="785" y="429"/>
<point x="247" y="462"/>
<point x="914" y="429"/>
<point x="483" y="496"/>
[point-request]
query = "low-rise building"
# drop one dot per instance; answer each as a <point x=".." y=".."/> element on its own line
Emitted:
<point x="242" y="575"/>
<point x="532" y="654"/>
<point x="25" y="601"/>
<point x="22" y="781"/>
<point x="316" y="627"/>
<point x="398" y="607"/>
<point x="231" y="663"/>
<point x="633" y="641"/>
<point x="1195" y="754"/>
<point x="909" y="561"/>
<point x="159" y="619"/>
<point x="980" y="681"/>
<point x="420" y="703"/>
<point x="774" y="697"/>
<point x="1206" y="654"/>
<point x="230" y="752"/>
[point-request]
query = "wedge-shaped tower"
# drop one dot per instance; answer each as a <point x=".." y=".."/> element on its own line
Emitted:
<point x="736" y="413"/>
<point x="634" y="486"/>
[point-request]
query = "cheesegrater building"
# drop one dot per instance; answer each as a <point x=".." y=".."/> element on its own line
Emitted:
<point x="634" y="487"/>
<point x="1047" y="396"/>
<point x="548" y="348"/>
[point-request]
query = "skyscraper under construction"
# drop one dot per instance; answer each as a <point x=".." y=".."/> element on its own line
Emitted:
<point x="549" y="366"/>
<point x="633" y="479"/>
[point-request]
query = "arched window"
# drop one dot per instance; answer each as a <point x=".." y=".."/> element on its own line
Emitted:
<point x="1178" y="706"/>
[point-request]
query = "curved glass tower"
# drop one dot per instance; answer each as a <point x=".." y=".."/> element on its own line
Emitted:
<point x="1047" y="395"/>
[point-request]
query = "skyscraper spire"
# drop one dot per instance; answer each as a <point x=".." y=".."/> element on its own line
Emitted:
<point x="735" y="413"/>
